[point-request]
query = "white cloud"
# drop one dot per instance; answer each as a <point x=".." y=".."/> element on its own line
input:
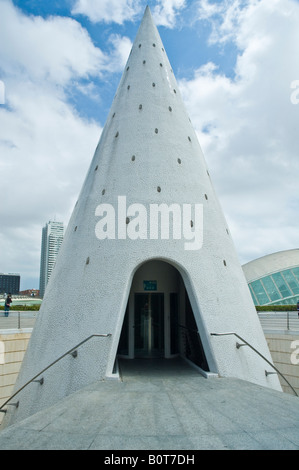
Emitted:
<point x="55" y="49"/>
<point x="121" y="49"/>
<point x="206" y="10"/>
<point x="248" y="126"/>
<point x="166" y="11"/>
<point x="45" y="146"/>
<point x="224" y="16"/>
<point x="107" y="11"/>
<point x="118" y="11"/>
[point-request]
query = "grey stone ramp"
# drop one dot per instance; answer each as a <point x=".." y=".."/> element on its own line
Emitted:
<point x="162" y="405"/>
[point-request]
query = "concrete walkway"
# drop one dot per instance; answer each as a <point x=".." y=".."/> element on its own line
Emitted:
<point x="162" y="405"/>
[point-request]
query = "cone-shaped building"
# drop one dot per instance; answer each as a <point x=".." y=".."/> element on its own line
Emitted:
<point x="147" y="258"/>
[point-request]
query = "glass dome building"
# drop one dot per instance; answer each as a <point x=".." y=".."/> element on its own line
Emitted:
<point x="274" y="279"/>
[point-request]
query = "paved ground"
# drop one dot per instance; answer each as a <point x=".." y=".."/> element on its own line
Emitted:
<point x="162" y="405"/>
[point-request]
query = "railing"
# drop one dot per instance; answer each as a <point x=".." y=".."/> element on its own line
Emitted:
<point x="279" y="320"/>
<point x="18" y="319"/>
<point x="72" y="351"/>
<point x="245" y="343"/>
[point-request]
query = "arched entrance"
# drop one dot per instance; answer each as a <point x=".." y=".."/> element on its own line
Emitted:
<point x="159" y="320"/>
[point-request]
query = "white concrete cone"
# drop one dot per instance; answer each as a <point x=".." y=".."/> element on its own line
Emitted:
<point x="148" y="155"/>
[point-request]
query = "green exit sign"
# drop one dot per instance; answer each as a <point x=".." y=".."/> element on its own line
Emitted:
<point x="149" y="285"/>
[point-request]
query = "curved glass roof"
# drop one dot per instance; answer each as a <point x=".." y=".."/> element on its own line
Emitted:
<point x="280" y="288"/>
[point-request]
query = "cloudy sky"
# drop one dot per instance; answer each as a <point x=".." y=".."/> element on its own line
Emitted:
<point x="235" y="61"/>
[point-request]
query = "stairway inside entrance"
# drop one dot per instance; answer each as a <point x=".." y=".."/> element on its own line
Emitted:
<point x="159" y="368"/>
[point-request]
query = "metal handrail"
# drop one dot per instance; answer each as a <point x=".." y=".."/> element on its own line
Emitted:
<point x="257" y="352"/>
<point x="70" y="351"/>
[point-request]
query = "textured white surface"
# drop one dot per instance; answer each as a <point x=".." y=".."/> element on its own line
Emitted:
<point x="270" y="264"/>
<point x="89" y="288"/>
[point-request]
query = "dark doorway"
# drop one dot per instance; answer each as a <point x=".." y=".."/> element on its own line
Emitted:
<point x="149" y="325"/>
<point x="159" y="321"/>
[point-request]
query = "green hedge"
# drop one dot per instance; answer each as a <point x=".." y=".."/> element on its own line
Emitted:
<point x="259" y="308"/>
<point x="276" y="308"/>
<point x="34" y="307"/>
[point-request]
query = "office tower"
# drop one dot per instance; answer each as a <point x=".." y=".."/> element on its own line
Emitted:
<point x="52" y="236"/>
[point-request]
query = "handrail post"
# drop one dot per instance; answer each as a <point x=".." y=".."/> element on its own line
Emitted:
<point x="257" y="352"/>
<point x="72" y="351"/>
<point x="267" y="372"/>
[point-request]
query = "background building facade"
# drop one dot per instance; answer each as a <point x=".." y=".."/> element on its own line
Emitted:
<point x="9" y="283"/>
<point x="52" y="236"/>
<point x="274" y="279"/>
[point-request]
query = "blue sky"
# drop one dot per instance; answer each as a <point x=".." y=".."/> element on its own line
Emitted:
<point x="186" y="42"/>
<point x="234" y="60"/>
